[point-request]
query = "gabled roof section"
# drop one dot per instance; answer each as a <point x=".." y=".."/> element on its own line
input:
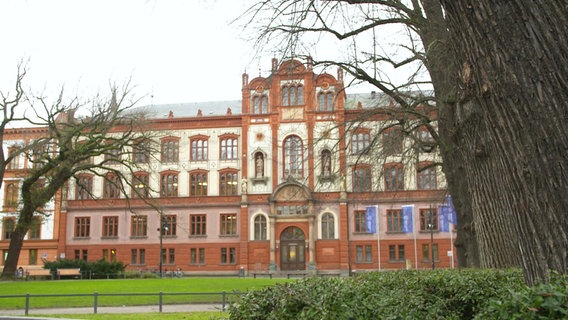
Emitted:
<point x="192" y="109"/>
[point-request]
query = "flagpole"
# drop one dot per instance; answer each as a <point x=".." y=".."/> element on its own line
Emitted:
<point x="378" y="238"/>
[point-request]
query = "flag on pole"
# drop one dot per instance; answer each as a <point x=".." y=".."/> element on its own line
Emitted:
<point x="371" y="219"/>
<point x="407" y="213"/>
<point x="452" y="217"/>
<point x="444" y="218"/>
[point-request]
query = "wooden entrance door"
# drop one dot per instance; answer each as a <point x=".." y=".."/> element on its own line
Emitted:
<point x="292" y="249"/>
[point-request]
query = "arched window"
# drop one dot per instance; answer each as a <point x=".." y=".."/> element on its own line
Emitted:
<point x="362" y="181"/>
<point x="394" y="177"/>
<point x="198" y="148"/>
<point x="228" y="148"/>
<point x="84" y="187"/>
<point x="169" y="184"/>
<point x="8" y="226"/>
<point x="140" y="185"/>
<point x="170" y="149"/>
<point x="327" y="226"/>
<point x="292" y="95"/>
<point x="228" y="183"/>
<point x="112" y="187"/>
<point x="293" y="157"/>
<point x="325" y="101"/>
<point x="426" y="177"/>
<point x="11" y="195"/>
<point x="260" y="104"/>
<point x="360" y="141"/>
<point x="198" y="183"/>
<point x="260" y="228"/>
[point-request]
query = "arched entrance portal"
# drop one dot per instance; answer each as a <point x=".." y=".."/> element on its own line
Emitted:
<point x="292" y="249"/>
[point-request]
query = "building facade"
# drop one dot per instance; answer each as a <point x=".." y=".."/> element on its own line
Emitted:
<point x="286" y="180"/>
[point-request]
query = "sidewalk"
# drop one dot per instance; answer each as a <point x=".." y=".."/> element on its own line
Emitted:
<point x="125" y="309"/>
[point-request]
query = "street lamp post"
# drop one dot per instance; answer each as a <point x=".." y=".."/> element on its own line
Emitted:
<point x="431" y="228"/>
<point x="163" y="227"/>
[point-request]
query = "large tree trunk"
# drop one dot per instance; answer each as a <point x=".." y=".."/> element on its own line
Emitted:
<point x="441" y="63"/>
<point x="515" y="87"/>
<point x="14" y="249"/>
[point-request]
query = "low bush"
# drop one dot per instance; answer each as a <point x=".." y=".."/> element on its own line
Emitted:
<point x="438" y="294"/>
<point x="99" y="267"/>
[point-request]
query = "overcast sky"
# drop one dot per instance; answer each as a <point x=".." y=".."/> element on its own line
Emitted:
<point x="174" y="51"/>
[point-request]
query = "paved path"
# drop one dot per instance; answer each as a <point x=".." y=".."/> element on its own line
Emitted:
<point x="8" y="314"/>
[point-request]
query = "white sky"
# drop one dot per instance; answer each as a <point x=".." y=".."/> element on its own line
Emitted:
<point x="174" y="50"/>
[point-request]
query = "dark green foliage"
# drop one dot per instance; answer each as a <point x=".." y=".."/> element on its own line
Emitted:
<point x="439" y="294"/>
<point x="543" y="301"/>
<point x="99" y="268"/>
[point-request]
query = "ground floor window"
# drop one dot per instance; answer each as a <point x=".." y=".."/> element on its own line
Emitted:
<point x="228" y="255"/>
<point x="364" y="253"/>
<point x="197" y="255"/>
<point x="396" y="253"/>
<point x="138" y="257"/>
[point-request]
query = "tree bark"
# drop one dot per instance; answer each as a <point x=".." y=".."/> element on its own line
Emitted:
<point x="515" y="86"/>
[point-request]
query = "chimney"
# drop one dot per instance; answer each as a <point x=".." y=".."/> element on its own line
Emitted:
<point x="274" y="64"/>
<point x="339" y="74"/>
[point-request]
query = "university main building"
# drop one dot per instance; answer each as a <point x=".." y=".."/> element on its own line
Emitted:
<point x="297" y="177"/>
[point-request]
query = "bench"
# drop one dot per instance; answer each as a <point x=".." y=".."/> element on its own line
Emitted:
<point x="39" y="273"/>
<point x="254" y="274"/>
<point x="329" y="274"/>
<point x="299" y="274"/>
<point x="69" y="272"/>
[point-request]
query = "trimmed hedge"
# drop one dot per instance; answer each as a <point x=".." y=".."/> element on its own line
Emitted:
<point x="437" y="294"/>
<point x="101" y="267"/>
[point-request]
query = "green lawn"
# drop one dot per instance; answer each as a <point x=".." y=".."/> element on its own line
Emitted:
<point x="145" y="316"/>
<point x="135" y="287"/>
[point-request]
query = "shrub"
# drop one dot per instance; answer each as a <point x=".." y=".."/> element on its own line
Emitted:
<point x="438" y="294"/>
<point x="100" y="267"/>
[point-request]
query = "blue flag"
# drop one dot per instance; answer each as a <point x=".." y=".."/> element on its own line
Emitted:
<point x="371" y="219"/>
<point x="407" y="213"/>
<point x="444" y="215"/>
<point x="452" y="217"/>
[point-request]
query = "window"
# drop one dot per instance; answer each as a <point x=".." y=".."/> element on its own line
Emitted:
<point x="394" y="177"/>
<point x="293" y="157"/>
<point x="392" y="142"/>
<point x="327" y="226"/>
<point x="170" y="150"/>
<point x="84" y="187"/>
<point x="82" y="227"/>
<point x="228" y="183"/>
<point x="325" y="163"/>
<point x="11" y="196"/>
<point x="293" y="95"/>
<point x="112" y="153"/>
<point x="325" y="101"/>
<point x="360" y="221"/>
<point x="292" y="210"/>
<point x="228" y="255"/>
<point x="8" y="226"/>
<point x="426" y="252"/>
<point x="393" y="253"/>
<point x="81" y="254"/>
<point x="35" y="228"/>
<point x="360" y="141"/>
<point x="198" y="149"/>
<point x="425" y="140"/>
<point x="428" y="220"/>
<point x="169" y="184"/>
<point x="198" y="183"/>
<point x="364" y="253"/>
<point x="139" y="226"/>
<point x="426" y="177"/>
<point x="260" y="228"/>
<point x="229" y="148"/>
<point x="110" y="227"/>
<point x="229" y="224"/>
<point x="198" y="225"/>
<point x="197" y="255"/>
<point x="32" y="254"/>
<point x="15" y="162"/>
<point x="362" y="179"/>
<point x="141" y="152"/>
<point x="140" y="183"/>
<point x="171" y="256"/>
<point x="260" y="104"/>
<point x="169" y="225"/>
<point x="394" y="220"/>
<point x="138" y="257"/>
<point x="112" y="187"/>
<point x="39" y="156"/>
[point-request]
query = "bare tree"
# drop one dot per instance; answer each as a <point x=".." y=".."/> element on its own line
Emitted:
<point x="108" y="126"/>
<point x="371" y="40"/>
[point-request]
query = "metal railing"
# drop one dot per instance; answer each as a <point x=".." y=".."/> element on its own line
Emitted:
<point x="95" y="296"/>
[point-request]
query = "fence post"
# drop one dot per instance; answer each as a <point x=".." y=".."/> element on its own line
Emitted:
<point x="161" y="297"/>
<point x="96" y="296"/>
<point x="224" y="300"/>
<point x="27" y="304"/>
